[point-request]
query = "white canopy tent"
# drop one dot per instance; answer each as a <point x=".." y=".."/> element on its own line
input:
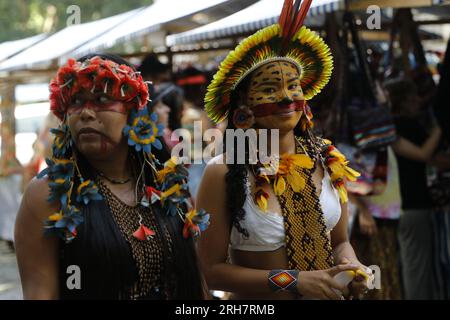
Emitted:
<point x="153" y="18"/>
<point x="45" y="53"/>
<point x="77" y="40"/>
<point x="10" y="48"/>
<point x="266" y="12"/>
<point x="259" y="15"/>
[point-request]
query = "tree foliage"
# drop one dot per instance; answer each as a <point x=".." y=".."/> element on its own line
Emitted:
<point x="24" y="18"/>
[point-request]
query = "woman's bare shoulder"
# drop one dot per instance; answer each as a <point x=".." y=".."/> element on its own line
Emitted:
<point x="217" y="166"/>
<point x="35" y="198"/>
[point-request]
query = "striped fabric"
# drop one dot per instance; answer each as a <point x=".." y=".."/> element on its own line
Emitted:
<point x="380" y="135"/>
<point x="326" y="8"/>
<point x="229" y="27"/>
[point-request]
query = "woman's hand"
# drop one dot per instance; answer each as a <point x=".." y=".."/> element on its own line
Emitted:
<point x="358" y="286"/>
<point x="320" y="284"/>
<point x="367" y="223"/>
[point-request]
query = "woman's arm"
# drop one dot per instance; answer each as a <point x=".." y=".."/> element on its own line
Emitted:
<point x="343" y="251"/>
<point x="213" y="250"/>
<point x="339" y="239"/>
<point x="423" y="153"/>
<point x="37" y="256"/>
<point x="213" y="244"/>
<point x="367" y="223"/>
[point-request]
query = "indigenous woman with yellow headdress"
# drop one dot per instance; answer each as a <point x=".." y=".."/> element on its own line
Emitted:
<point x="108" y="218"/>
<point x="286" y="229"/>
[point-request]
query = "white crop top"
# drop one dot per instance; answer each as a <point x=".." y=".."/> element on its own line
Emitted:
<point x="266" y="229"/>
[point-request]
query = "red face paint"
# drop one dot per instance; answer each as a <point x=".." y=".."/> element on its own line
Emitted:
<point x="267" y="109"/>
<point x="113" y="106"/>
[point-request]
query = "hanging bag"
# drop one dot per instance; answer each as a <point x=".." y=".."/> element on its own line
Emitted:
<point x="366" y="125"/>
<point x="371" y="123"/>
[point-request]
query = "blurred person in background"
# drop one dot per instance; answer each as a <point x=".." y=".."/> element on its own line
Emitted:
<point x="374" y="233"/>
<point x="11" y="172"/>
<point x="167" y="98"/>
<point x="42" y="149"/>
<point x="375" y="229"/>
<point x="193" y="83"/>
<point x="155" y="71"/>
<point x="414" y="149"/>
<point x="167" y="102"/>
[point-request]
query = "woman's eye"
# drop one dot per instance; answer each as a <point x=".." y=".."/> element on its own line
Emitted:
<point x="269" y="90"/>
<point x="293" y="87"/>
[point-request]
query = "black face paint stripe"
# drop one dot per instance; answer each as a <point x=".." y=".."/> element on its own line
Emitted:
<point x="265" y="83"/>
<point x="270" y="66"/>
<point x="258" y="74"/>
<point x="260" y="98"/>
<point x="276" y="72"/>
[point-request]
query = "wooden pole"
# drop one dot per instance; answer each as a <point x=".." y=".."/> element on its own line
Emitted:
<point x="8" y="161"/>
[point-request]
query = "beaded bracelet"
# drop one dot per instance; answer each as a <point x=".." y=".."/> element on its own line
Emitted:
<point x="283" y="280"/>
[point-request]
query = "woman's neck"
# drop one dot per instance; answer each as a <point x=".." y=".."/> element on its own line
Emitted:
<point x="116" y="167"/>
<point x="286" y="142"/>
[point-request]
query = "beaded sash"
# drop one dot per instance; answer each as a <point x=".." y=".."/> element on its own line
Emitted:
<point x="307" y="244"/>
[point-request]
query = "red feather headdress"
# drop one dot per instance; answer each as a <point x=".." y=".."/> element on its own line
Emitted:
<point x="97" y="75"/>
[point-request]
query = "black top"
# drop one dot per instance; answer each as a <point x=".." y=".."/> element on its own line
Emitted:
<point x="103" y="256"/>
<point x="412" y="174"/>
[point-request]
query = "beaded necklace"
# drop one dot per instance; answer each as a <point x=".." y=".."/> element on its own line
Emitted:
<point x="148" y="255"/>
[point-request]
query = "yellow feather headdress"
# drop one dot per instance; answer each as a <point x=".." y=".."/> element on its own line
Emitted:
<point x="287" y="40"/>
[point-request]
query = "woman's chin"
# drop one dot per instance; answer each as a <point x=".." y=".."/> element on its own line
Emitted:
<point x="284" y="122"/>
<point x="91" y="150"/>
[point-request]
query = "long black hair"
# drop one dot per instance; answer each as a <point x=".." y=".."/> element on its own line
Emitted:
<point x="104" y="256"/>
<point x="236" y="177"/>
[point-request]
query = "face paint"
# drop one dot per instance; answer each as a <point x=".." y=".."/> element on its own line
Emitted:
<point x="275" y="87"/>
<point x="267" y="109"/>
<point x="97" y="104"/>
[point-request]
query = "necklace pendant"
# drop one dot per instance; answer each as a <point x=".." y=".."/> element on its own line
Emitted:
<point x="112" y="180"/>
<point x="143" y="233"/>
<point x="145" y="202"/>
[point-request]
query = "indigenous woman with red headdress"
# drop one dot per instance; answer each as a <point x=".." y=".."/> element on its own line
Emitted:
<point x="107" y="219"/>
